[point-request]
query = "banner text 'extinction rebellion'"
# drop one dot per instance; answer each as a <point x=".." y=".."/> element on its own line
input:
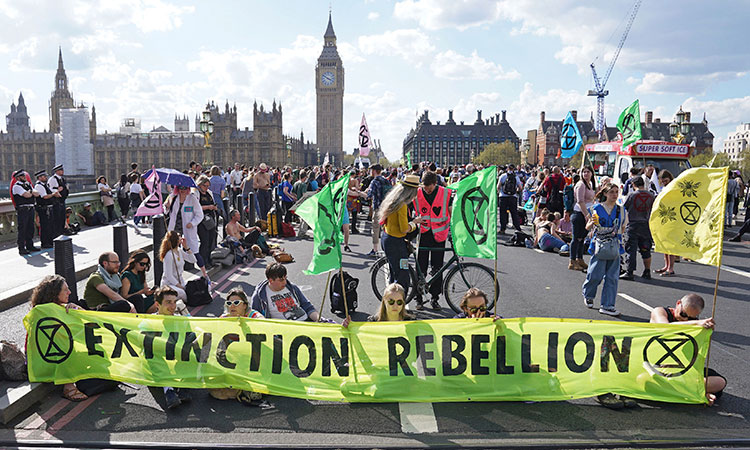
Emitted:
<point x="445" y="360"/>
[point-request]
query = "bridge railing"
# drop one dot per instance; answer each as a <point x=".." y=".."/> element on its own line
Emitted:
<point x="9" y="220"/>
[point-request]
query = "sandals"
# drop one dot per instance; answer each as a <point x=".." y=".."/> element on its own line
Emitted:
<point x="662" y="270"/>
<point x="666" y="274"/>
<point x="71" y="392"/>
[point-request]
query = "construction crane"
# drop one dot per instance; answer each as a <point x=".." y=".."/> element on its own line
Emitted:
<point x="600" y="92"/>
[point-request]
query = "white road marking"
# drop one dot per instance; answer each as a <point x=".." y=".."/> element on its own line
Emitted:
<point x="417" y="418"/>
<point x="736" y="271"/>
<point x="538" y="250"/>
<point x="636" y="302"/>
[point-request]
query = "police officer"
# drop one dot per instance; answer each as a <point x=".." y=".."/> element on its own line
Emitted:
<point x="57" y="183"/>
<point x="44" y="202"/>
<point x="23" y="198"/>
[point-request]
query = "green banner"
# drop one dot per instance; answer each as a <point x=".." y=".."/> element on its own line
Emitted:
<point x="629" y="124"/>
<point x="474" y="217"/>
<point x="447" y="360"/>
<point x="324" y="213"/>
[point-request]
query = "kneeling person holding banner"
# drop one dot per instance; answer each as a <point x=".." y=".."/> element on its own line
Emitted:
<point x="166" y="298"/>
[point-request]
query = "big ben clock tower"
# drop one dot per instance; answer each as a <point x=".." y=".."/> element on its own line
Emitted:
<point x="329" y="90"/>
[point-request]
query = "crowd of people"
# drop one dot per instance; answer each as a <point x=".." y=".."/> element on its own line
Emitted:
<point x="571" y="213"/>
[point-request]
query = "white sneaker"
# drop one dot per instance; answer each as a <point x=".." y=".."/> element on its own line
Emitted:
<point x="589" y="302"/>
<point x="609" y="312"/>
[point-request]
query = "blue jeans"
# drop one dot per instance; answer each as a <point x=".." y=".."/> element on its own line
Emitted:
<point x="730" y="211"/>
<point x="395" y="250"/>
<point x="579" y="234"/>
<point x="549" y="243"/>
<point x="602" y="270"/>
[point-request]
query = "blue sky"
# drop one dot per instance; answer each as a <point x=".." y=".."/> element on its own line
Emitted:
<point x="153" y="59"/>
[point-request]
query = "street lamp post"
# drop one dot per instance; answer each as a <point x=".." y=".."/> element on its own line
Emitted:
<point x="680" y="127"/>
<point x="207" y="128"/>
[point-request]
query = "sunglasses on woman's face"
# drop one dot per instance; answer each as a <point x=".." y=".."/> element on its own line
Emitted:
<point x="479" y="308"/>
<point x="398" y="302"/>
<point x="143" y="263"/>
<point x="233" y="302"/>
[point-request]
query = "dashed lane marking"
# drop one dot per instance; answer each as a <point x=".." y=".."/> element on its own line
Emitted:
<point x="538" y="250"/>
<point x="417" y="418"/>
<point x="635" y="301"/>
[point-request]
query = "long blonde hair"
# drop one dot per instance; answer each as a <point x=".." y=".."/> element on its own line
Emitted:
<point x="382" y="314"/>
<point x="397" y="197"/>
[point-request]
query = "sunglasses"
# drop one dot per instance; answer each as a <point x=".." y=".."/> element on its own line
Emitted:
<point x="233" y="302"/>
<point x="398" y="302"/>
<point x="143" y="263"/>
<point x="480" y="308"/>
<point x="684" y="315"/>
<point x="183" y="188"/>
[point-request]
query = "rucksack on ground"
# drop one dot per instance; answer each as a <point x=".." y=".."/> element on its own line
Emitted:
<point x="518" y="239"/>
<point x="509" y="186"/>
<point x="337" y="300"/>
<point x="197" y="292"/>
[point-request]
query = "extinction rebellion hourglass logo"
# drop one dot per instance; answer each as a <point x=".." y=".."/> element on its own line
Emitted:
<point x="54" y="340"/>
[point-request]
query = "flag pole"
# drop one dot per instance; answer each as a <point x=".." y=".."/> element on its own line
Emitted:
<point x="320" y="313"/>
<point x="494" y="285"/>
<point x="343" y="293"/>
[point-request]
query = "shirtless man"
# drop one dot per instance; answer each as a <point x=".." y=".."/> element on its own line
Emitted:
<point x="687" y="312"/>
<point x="235" y="230"/>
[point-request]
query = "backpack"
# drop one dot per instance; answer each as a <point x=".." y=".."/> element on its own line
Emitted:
<point x="555" y="201"/>
<point x="12" y="362"/>
<point x="121" y="192"/>
<point x="337" y="300"/>
<point x="385" y="187"/>
<point x="518" y="239"/>
<point x="509" y="186"/>
<point x="197" y="292"/>
<point x="287" y="230"/>
<point x="568" y="198"/>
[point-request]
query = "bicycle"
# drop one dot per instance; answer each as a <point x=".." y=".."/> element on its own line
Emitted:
<point x="459" y="278"/>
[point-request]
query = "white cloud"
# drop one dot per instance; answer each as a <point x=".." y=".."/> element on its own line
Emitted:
<point x="461" y="14"/>
<point x="659" y="83"/>
<point x="407" y="44"/>
<point x="454" y="66"/>
<point x="373" y="15"/>
<point x="728" y="112"/>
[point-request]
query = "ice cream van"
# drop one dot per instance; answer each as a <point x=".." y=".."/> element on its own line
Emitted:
<point x="610" y="159"/>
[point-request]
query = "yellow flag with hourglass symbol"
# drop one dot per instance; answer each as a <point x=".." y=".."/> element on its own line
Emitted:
<point x="687" y="218"/>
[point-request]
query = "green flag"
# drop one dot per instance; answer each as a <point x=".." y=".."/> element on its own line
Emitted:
<point x="408" y="160"/>
<point x="629" y="124"/>
<point x="474" y="218"/>
<point x="324" y="212"/>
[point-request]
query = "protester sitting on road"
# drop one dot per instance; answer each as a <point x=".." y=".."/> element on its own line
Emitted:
<point x="185" y="214"/>
<point x="666" y="177"/>
<point x="393" y="216"/>
<point x="392" y="306"/>
<point x="608" y="221"/>
<point x="277" y="298"/>
<point x="70" y="228"/>
<point x="91" y="219"/>
<point x="687" y="311"/>
<point x="134" y="281"/>
<point x="102" y="291"/>
<point x="547" y="237"/>
<point x="252" y="240"/>
<point x="166" y="299"/>
<point x="564" y="226"/>
<point x="54" y="289"/>
<point x="474" y="305"/>
<point x="174" y="253"/>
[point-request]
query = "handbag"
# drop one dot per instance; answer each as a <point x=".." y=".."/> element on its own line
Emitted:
<point x="607" y="241"/>
<point x="283" y="257"/>
<point x="208" y="222"/>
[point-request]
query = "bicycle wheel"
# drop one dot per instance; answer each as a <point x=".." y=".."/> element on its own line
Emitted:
<point x="380" y="274"/>
<point x="467" y="275"/>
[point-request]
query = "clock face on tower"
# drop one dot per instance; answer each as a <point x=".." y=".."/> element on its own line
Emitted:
<point x="328" y="78"/>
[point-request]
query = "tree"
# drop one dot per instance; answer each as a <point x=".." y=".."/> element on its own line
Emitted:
<point x="500" y="154"/>
<point x="704" y="159"/>
<point x="744" y="165"/>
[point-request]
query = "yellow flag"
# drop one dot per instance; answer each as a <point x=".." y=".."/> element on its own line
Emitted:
<point x="687" y="218"/>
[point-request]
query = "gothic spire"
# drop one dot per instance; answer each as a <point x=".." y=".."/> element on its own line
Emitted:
<point x="329" y="30"/>
<point x="59" y="59"/>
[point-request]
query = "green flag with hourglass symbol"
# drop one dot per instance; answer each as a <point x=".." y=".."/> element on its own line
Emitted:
<point x="474" y="216"/>
<point x="629" y="124"/>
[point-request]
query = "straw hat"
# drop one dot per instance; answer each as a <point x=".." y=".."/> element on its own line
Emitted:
<point x="411" y="181"/>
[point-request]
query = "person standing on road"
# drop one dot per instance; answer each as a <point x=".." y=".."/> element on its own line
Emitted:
<point x="218" y="188"/>
<point x="44" y="205"/>
<point x="583" y="194"/>
<point x="207" y="229"/>
<point x="57" y="183"/>
<point x="24" y="199"/>
<point x="687" y="311"/>
<point x="393" y="216"/>
<point x="553" y="187"/>
<point x="136" y="196"/>
<point x="122" y="191"/>
<point x="376" y="191"/>
<point x="235" y="180"/>
<point x="666" y="177"/>
<point x="637" y="234"/>
<point x="174" y="253"/>
<point x="433" y="205"/>
<point x="185" y="214"/>
<point x="507" y="186"/>
<point x="105" y="192"/>
<point x="607" y="221"/>
<point x="262" y="186"/>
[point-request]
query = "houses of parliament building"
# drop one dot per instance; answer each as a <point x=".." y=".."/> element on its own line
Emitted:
<point x="73" y="129"/>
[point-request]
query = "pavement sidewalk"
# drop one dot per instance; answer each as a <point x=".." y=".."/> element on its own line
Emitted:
<point x="22" y="273"/>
